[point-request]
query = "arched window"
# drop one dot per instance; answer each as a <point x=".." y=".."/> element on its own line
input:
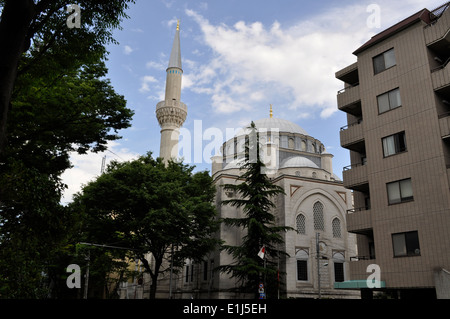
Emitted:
<point x="338" y="261"/>
<point x="336" y="225"/>
<point x="302" y="256"/>
<point x="303" y="146"/>
<point x="318" y="216"/>
<point x="301" y="224"/>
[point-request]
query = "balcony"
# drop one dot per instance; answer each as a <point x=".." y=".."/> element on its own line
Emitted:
<point x="352" y="134"/>
<point x="359" y="220"/>
<point x="355" y="177"/>
<point x="348" y="74"/>
<point x="349" y="100"/>
<point x="444" y="125"/>
<point x="440" y="76"/>
<point x="439" y="29"/>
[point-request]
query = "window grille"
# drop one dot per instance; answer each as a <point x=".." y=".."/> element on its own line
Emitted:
<point x="301" y="225"/>
<point x="318" y="216"/>
<point x="336" y="228"/>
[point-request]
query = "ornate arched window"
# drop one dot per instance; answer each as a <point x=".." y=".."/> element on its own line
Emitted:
<point x="301" y="224"/>
<point x="302" y="256"/>
<point x="318" y="216"/>
<point x="336" y="225"/>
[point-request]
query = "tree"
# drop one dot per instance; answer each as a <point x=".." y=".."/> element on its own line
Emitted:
<point x="54" y="99"/>
<point x="254" y="195"/>
<point x="38" y="28"/>
<point x="150" y="208"/>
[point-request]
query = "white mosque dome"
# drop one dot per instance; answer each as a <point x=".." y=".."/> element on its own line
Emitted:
<point x="298" y="161"/>
<point x="272" y="123"/>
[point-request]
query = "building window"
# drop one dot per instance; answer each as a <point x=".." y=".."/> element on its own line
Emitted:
<point x="406" y="244"/>
<point x="336" y="225"/>
<point x="187" y="274"/>
<point x="301" y="224"/>
<point x="389" y="101"/>
<point x="383" y="61"/>
<point x="318" y="216"/>
<point x="284" y="141"/>
<point x="394" y="144"/>
<point x="302" y="257"/>
<point x="400" y="191"/>
<point x="338" y="261"/>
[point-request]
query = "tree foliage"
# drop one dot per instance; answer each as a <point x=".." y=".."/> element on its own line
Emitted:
<point x="150" y="208"/>
<point x="54" y="99"/>
<point x="254" y="195"/>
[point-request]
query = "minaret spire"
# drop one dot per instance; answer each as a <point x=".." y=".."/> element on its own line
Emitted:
<point x="171" y="113"/>
<point x="271" y="112"/>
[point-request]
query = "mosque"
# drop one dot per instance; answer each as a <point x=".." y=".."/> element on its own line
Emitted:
<point x="315" y="204"/>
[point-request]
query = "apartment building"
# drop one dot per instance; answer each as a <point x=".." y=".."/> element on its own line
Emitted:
<point x="397" y="100"/>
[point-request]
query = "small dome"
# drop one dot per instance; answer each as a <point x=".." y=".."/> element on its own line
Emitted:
<point x="298" y="161"/>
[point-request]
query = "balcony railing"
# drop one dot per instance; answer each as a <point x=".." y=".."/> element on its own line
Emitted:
<point x="438" y="28"/>
<point x="359" y="219"/>
<point x="355" y="175"/>
<point x="348" y="96"/>
<point x="351" y="134"/>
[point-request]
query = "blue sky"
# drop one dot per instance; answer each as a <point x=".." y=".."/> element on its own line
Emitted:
<point x="238" y="58"/>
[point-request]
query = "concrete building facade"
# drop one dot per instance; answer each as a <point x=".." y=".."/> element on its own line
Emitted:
<point x="397" y="100"/>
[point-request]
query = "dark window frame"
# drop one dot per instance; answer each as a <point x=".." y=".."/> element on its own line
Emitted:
<point x="376" y="62"/>
<point x="400" y="145"/>
<point x="412" y="245"/>
<point x="389" y="100"/>
<point x="402" y="199"/>
<point x="302" y="270"/>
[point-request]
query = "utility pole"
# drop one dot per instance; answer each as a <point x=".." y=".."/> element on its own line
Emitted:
<point x="86" y="280"/>
<point x="318" y="261"/>
<point x="171" y="273"/>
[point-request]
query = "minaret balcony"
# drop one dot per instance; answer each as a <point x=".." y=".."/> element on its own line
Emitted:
<point x="173" y="103"/>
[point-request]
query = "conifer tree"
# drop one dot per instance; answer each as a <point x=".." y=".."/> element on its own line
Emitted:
<point x="254" y="195"/>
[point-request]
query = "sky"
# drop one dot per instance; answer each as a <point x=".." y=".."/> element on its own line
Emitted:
<point x="238" y="58"/>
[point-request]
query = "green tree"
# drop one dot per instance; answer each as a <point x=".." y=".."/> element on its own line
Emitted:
<point x="38" y="29"/>
<point x="255" y="196"/>
<point x="54" y="99"/>
<point x="150" y="208"/>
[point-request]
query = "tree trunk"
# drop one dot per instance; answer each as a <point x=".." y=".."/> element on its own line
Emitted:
<point x="15" y="22"/>
<point x="153" y="274"/>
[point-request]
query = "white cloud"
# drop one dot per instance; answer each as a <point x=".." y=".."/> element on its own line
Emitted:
<point x="256" y="62"/>
<point x="127" y="50"/>
<point x="145" y="81"/>
<point x="154" y="65"/>
<point x="88" y="166"/>
<point x="293" y="65"/>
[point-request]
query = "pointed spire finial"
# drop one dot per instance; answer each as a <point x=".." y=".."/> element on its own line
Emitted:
<point x="271" y="112"/>
<point x="178" y="25"/>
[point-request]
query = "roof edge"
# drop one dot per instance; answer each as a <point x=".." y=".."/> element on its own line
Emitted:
<point x="421" y="15"/>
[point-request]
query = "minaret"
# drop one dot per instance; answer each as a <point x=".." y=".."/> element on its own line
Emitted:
<point x="171" y="113"/>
